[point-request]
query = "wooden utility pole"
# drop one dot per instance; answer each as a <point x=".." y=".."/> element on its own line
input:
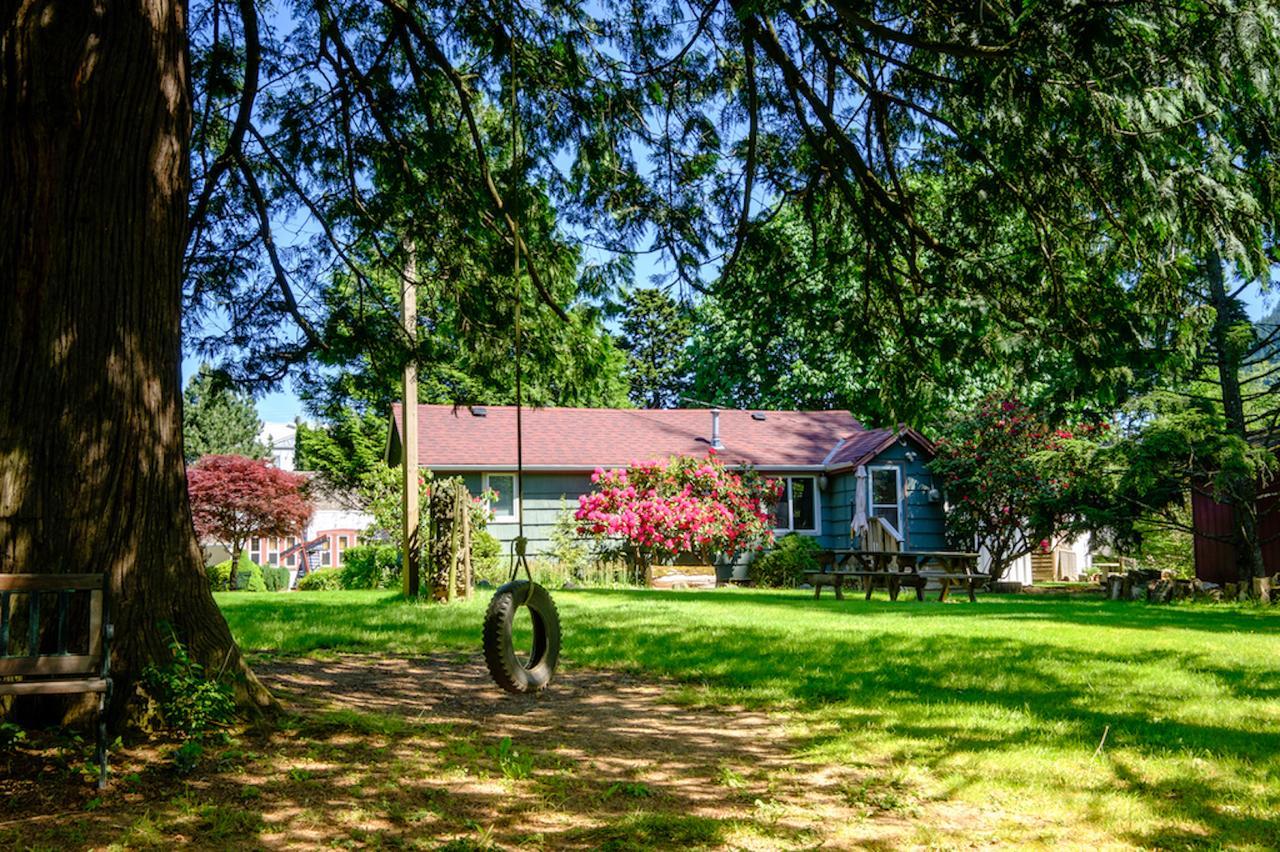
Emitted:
<point x="412" y="573"/>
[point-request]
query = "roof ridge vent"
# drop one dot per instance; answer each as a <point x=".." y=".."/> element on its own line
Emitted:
<point x="478" y="411"/>
<point x="758" y="415"/>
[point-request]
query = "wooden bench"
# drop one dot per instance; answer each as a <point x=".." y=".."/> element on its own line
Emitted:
<point x="62" y="670"/>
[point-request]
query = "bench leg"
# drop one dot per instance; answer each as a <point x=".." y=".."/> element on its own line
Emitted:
<point x="973" y="598"/>
<point x="946" y="586"/>
<point x="870" y="583"/>
<point x="920" y="584"/>
<point x="839" y="589"/>
<point x="817" y="590"/>
<point x="894" y="585"/>
<point x="102" y="741"/>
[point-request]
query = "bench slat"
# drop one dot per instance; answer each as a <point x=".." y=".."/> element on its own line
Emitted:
<point x="49" y="582"/>
<point x="55" y="687"/>
<point x="72" y="664"/>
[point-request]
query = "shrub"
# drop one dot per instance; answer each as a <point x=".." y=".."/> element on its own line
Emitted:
<point x="189" y="702"/>
<point x="373" y="566"/>
<point x="785" y="564"/>
<point x="219" y="575"/>
<point x="324" y="580"/>
<point x="486" y="557"/>
<point x="275" y="578"/>
<point x="249" y="578"/>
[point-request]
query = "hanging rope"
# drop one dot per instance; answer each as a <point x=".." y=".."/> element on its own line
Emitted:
<point x="508" y="670"/>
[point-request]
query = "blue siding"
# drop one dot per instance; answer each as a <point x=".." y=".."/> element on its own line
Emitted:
<point x="925" y="526"/>
<point x="545" y="494"/>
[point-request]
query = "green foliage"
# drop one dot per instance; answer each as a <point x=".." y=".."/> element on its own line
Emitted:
<point x="217" y="420"/>
<point x="380" y="492"/>
<point x="1013" y="480"/>
<point x="220" y="576"/>
<point x="345" y="449"/>
<point x="371" y="566"/>
<point x="11" y="736"/>
<point x="250" y="579"/>
<point x="784" y="564"/>
<point x="573" y="553"/>
<point x="189" y="702"/>
<point x="512" y="763"/>
<point x="275" y="578"/>
<point x="655" y="333"/>
<point x="486" y="557"/>
<point x="321" y="580"/>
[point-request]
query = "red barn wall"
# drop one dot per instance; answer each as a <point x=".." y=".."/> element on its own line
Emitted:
<point x="1216" y="560"/>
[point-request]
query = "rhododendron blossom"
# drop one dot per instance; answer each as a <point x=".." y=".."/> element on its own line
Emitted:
<point x="683" y="505"/>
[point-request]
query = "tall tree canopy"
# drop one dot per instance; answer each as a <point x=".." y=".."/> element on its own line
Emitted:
<point x="655" y="334"/>
<point x="217" y="419"/>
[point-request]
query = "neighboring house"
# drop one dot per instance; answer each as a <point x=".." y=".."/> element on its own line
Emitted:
<point x="280" y="440"/>
<point x="837" y="472"/>
<point x="335" y="525"/>
<point x="1065" y="559"/>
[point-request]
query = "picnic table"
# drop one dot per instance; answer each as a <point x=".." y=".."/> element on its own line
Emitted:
<point x="898" y="568"/>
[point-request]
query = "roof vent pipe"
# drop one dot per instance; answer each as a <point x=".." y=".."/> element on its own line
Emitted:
<point x="716" y="444"/>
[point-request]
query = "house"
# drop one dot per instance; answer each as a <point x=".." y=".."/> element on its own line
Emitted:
<point x="335" y="525"/>
<point x="279" y="440"/>
<point x="837" y="472"/>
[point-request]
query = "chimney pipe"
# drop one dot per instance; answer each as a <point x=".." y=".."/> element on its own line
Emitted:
<point x="715" y="430"/>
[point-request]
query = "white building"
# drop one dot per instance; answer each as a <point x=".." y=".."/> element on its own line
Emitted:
<point x="280" y="440"/>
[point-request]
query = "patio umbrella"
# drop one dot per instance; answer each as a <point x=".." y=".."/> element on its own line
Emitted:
<point x="860" y="502"/>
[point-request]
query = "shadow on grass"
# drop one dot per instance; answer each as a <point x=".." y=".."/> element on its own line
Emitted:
<point x="934" y="682"/>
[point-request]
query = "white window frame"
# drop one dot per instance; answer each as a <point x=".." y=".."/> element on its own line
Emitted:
<point x="515" y="497"/>
<point x="817" y="506"/>
<point x="901" y="506"/>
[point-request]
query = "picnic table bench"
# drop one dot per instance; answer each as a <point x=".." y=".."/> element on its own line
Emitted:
<point x="49" y="665"/>
<point x="898" y="568"/>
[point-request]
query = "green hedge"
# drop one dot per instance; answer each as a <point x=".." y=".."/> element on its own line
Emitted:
<point x="784" y="566"/>
<point x="275" y="578"/>
<point x="323" y="580"/>
<point x="250" y="580"/>
<point x="220" y="576"/>
<point x="371" y="566"/>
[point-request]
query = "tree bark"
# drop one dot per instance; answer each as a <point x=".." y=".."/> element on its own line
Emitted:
<point x="95" y="119"/>
<point x="1243" y="496"/>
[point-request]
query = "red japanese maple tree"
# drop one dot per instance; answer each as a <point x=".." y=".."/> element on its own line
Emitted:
<point x="233" y="498"/>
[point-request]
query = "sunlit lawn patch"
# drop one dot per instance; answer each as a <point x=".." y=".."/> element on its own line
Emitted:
<point x="1000" y="704"/>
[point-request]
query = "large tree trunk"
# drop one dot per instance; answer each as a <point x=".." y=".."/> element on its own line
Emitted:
<point x="94" y="126"/>
<point x="1243" y="492"/>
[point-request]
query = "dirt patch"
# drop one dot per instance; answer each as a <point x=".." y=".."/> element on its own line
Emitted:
<point x="425" y="752"/>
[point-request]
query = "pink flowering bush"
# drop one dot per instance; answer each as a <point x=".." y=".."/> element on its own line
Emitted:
<point x="683" y="505"/>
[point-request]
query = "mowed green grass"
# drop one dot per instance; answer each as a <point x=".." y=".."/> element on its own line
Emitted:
<point x="998" y="708"/>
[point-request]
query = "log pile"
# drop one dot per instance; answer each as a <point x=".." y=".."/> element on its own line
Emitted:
<point x="1157" y="586"/>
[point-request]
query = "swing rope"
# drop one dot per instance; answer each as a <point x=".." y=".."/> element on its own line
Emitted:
<point x="519" y="545"/>
<point x="509" y="671"/>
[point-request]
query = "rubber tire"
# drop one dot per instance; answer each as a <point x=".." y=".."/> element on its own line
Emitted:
<point x="499" y="653"/>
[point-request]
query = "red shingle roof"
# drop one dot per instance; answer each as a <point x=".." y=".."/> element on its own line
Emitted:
<point x="609" y="437"/>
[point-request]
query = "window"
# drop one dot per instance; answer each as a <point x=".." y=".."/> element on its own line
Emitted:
<point x="255" y="550"/>
<point x="797" y="509"/>
<point x="886" y="496"/>
<point x="504" y="502"/>
<point x="342" y="545"/>
<point x="292" y="559"/>
<point x="326" y="554"/>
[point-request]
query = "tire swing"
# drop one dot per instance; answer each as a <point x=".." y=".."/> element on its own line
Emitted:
<point x="533" y="673"/>
<point x="509" y="671"/>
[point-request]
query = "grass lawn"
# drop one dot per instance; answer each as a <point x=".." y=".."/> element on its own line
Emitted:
<point x="1000" y="708"/>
